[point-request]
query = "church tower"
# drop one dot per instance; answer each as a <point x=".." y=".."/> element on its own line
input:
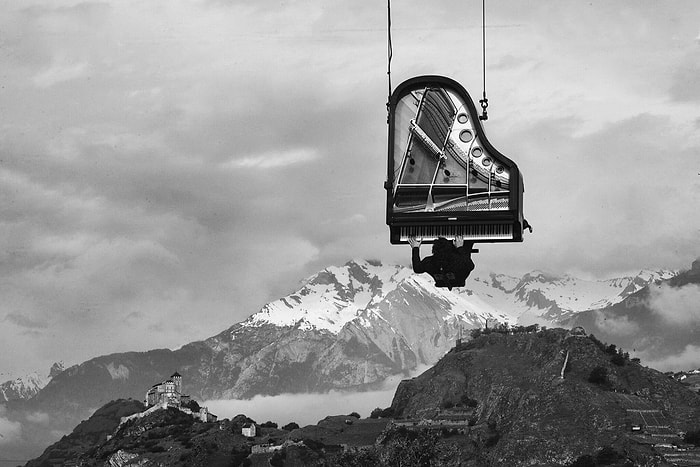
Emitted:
<point x="177" y="379"/>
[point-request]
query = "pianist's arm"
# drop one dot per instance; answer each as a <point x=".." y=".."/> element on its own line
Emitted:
<point x="418" y="266"/>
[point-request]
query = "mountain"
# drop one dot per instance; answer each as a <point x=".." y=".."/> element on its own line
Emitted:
<point x="27" y="386"/>
<point x="660" y="322"/>
<point x="503" y="398"/>
<point x="346" y="327"/>
<point x="549" y="298"/>
<point x="550" y="398"/>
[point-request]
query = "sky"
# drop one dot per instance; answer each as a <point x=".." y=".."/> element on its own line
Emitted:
<point x="168" y="167"/>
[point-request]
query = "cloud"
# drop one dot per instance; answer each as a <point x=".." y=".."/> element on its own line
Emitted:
<point x="60" y="73"/>
<point x="304" y="409"/>
<point x="40" y="418"/>
<point x="616" y="325"/>
<point x="24" y="321"/>
<point x="272" y="161"/>
<point x="679" y="306"/>
<point x="307" y="409"/>
<point x="10" y="431"/>
<point x="684" y="86"/>
<point x="688" y="359"/>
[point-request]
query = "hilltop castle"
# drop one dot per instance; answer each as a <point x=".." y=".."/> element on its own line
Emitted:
<point x="167" y="392"/>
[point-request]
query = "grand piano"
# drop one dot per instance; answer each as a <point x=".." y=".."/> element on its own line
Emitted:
<point x="444" y="178"/>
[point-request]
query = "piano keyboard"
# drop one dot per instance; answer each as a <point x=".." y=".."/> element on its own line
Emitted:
<point x="470" y="232"/>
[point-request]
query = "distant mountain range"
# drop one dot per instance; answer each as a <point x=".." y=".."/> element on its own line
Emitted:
<point x="347" y="327"/>
<point x="26" y="387"/>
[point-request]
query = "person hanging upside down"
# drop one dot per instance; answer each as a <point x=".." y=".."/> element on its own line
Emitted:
<point x="450" y="263"/>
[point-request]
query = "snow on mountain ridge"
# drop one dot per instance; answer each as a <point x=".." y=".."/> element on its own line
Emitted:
<point x="540" y="296"/>
<point x="333" y="297"/>
<point x="27" y="386"/>
<point x="337" y="295"/>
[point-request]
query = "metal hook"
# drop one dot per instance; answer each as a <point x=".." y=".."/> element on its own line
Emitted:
<point x="484" y="105"/>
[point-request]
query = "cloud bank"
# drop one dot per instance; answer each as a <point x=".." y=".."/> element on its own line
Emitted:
<point x="688" y="359"/>
<point x="10" y="431"/>
<point x="304" y="409"/>
<point x="678" y="306"/>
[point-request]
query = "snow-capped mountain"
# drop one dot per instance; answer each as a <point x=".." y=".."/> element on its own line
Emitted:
<point x="26" y="387"/>
<point x="549" y="298"/>
<point x="367" y="291"/>
<point x="337" y="295"/>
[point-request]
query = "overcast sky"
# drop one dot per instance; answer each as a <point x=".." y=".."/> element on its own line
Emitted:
<point x="168" y="167"/>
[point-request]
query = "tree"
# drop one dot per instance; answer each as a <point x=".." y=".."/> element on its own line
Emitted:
<point x="584" y="461"/>
<point x="608" y="455"/>
<point x="192" y="405"/>
<point x="291" y="426"/>
<point x="277" y="459"/>
<point x="404" y="447"/>
<point x="599" y="375"/>
<point x="693" y="437"/>
<point x="618" y="359"/>
<point x="354" y="414"/>
<point x="468" y="401"/>
<point x="269" y="424"/>
<point x="375" y="413"/>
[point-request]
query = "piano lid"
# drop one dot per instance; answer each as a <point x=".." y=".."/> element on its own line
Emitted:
<point x="441" y="167"/>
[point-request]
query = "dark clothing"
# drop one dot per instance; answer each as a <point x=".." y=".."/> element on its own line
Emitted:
<point x="451" y="271"/>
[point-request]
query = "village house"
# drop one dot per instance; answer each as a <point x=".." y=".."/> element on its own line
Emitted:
<point x="248" y="430"/>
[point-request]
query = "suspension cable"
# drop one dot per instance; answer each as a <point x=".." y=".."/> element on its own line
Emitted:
<point x="389" y="55"/>
<point x="484" y="101"/>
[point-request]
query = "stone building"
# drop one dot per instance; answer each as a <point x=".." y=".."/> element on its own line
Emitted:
<point x="167" y="392"/>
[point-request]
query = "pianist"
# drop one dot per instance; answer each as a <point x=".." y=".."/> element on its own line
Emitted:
<point x="450" y="263"/>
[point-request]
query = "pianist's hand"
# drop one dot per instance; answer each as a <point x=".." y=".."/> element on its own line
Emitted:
<point x="414" y="242"/>
<point x="459" y="241"/>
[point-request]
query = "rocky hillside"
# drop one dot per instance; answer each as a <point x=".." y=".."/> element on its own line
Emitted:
<point x="89" y="433"/>
<point x="169" y="437"/>
<point x="521" y="411"/>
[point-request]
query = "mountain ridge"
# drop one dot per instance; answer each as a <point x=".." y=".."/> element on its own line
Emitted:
<point x="346" y="327"/>
<point x="27" y="386"/>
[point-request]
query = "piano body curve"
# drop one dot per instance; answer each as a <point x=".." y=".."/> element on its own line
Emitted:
<point x="444" y="178"/>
